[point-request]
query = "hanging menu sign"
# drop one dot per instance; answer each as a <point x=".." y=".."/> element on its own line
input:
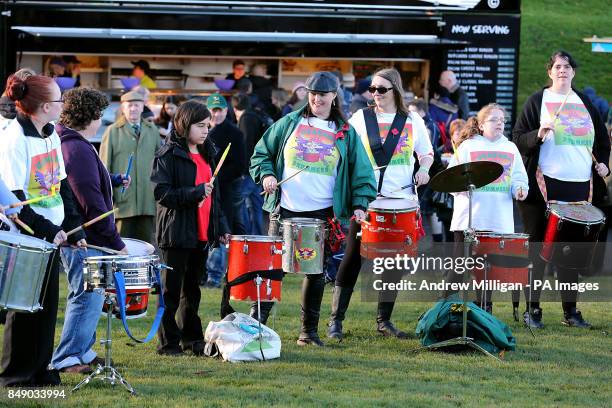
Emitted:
<point x="487" y="68"/>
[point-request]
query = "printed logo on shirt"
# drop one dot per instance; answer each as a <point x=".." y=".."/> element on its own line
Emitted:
<point x="573" y="126"/>
<point x="44" y="179"/>
<point x="503" y="182"/>
<point x="313" y="147"/>
<point x="402" y="155"/>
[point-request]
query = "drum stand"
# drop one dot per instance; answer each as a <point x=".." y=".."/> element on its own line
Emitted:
<point x="258" y="282"/>
<point x="464" y="340"/>
<point x="107" y="372"/>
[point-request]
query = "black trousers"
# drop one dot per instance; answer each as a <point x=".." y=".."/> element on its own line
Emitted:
<point x="181" y="291"/>
<point x="534" y="219"/>
<point x="28" y="338"/>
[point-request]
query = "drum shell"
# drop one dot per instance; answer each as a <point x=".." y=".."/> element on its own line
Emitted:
<point x="389" y="232"/>
<point x="304" y="240"/>
<point x="24" y="263"/>
<point x="515" y="245"/>
<point x="248" y="253"/>
<point x="137" y="271"/>
<point x="570" y="243"/>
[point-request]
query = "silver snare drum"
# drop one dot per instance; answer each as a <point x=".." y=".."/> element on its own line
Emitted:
<point x="24" y="262"/>
<point x="304" y="240"/>
<point x="137" y="271"/>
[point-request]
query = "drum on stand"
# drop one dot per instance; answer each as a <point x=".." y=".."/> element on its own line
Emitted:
<point x="390" y="228"/>
<point x="24" y="262"/>
<point x="502" y="252"/>
<point x="249" y="254"/>
<point x="138" y="275"/>
<point x="571" y="234"/>
<point x="304" y="240"/>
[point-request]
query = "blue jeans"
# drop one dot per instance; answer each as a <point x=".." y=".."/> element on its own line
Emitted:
<point x="254" y="204"/>
<point x="83" y="310"/>
<point x="217" y="264"/>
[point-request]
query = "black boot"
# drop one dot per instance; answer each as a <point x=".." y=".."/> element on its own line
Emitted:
<point x="383" y="321"/>
<point x="312" y="295"/>
<point x="340" y="301"/>
<point x="573" y="318"/>
<point x="265" y="309"/>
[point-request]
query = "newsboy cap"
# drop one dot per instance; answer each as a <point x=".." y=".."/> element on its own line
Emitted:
<point x="132" y="96"/>
<point x="323" y="81"/>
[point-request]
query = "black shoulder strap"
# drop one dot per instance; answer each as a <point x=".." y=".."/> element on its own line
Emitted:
<point x="383" y="152"/>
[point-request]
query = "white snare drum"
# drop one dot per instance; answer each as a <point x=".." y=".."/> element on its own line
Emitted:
<point x="136" y="247"/>
<point x="24" y="261"/>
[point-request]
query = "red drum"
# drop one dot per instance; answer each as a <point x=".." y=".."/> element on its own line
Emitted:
<point x="390" y="228"/>
<point x="502" y="251"/>
<point x="571" y="234"/>
<point x="248" y="253"/>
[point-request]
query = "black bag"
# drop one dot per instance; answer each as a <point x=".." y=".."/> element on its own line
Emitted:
<point x="442" y="201"/>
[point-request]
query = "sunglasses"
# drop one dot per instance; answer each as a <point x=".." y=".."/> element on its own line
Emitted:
<point x="59" y="100"/>
<point x="381" y="89"/>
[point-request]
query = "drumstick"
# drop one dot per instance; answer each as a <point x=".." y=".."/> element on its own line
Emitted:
<point x="127" y="172"/>
<point x="380" y="167"/>
<point x="88" y="223"/>
<point x="558" y="112"/>
<point x="288" y="178"/>
<point x="104" y="249"/>
<point x="223" y="156"/>
<point x="26" y="202"/>
<point x="402" y="188"/>
<point x="24" y="226"/>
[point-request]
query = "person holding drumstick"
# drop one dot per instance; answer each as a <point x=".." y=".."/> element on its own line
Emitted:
<point x="388" y="119"/>
<point x="92" y="187"/>
<point x="482" y="139"/>
<point x="335" y="177"/>
<point x="565" y="146"/>
<point x="31" y="165"/>
<point x="189" y="221"/>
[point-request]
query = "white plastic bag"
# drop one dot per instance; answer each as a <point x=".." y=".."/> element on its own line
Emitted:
<point x="236" y="338"/>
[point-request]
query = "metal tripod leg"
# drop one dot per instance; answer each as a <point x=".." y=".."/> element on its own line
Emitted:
<point x="107" y="372"/>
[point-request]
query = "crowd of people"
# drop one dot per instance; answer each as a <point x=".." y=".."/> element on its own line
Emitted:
<point x="369" y="147"/>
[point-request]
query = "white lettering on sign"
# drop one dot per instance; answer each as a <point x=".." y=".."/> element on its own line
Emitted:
<point x="460" y="29"/>
<point x="480" y="29"/>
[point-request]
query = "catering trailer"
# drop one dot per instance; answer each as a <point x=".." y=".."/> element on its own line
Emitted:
<point x="189" y="43"/>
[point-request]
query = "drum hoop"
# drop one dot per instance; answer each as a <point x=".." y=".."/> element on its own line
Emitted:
<point x="255" y="238"/>
<point x="393" y="211"/>
<point x="42" y="245"/>
<point x="501" y="235"/>
<point x="122" y="258"/>
<point x="582" y="222"/>
<point x="302" y="221"/>
<point x="27" y="248"/>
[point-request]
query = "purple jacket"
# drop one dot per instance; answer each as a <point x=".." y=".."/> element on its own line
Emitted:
<point x="92" y="187"/>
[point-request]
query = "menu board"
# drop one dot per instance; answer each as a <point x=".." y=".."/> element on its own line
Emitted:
<point x="487" y="68"/>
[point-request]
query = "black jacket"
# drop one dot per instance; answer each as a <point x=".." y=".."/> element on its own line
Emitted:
<point x="251" y="128"/>
<point x="173" y="177"/>
<point x="461" y="99"/>
<point x="525" y="136"/>
<point x="235" y="162"/>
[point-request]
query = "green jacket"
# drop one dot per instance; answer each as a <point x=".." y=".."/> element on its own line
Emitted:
<point x="118" y="142"/>
<point x="355" y="184"/>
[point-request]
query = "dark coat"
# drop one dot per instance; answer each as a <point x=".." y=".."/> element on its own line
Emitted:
<point x="92" y="187"/>
<point x="525" y="136"/>
<point x="173" y="177"/>
<point x="461" y="99"/>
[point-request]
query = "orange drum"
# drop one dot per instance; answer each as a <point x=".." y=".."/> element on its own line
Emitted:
<point x="390" y="228"/>
<point x="249" y="254"/>
<point x="500" y="248"/>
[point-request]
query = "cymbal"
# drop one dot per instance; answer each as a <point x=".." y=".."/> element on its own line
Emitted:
<point x="458" y="178"/>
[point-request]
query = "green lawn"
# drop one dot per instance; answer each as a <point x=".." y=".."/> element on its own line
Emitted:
<point x="561" y="367"/>
<point x="548" y="25"/>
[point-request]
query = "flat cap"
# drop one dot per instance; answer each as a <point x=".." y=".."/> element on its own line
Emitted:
<point x="132" y="96"/>
<point x="323" y="81"/>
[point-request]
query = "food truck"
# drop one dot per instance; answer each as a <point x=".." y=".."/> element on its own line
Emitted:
<point x="190" y="43"/>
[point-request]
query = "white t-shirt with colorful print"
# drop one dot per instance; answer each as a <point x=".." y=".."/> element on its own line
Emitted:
<point x="36" y="166"/>
<point x="491" y="204"/>
<point x="312" y="145"/>
<point x="567" y="155"/>
<point x="414" y="138"/>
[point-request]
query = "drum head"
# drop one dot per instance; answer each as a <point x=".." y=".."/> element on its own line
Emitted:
<point x="303" y="221"/>
<point x="137" y="247"/>
<point x="581" y="213"/>
<point x="15" y="239"/>
<point x="402" y="204"/>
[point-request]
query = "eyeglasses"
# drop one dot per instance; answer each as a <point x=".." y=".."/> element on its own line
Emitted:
<point x="381" y="89"/>
<point x="59" y="100"/>
<point x="500" y="120"/>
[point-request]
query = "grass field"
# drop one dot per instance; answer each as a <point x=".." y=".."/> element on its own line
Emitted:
<point x="548" y="25"/>
<point x="561" y="367"/>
